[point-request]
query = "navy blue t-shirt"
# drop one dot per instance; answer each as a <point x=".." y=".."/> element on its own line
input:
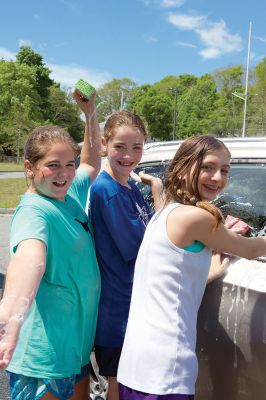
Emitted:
<point x="119" y="217"/>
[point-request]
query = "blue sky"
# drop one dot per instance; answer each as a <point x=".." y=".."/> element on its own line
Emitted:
<point x="144" y="40"/>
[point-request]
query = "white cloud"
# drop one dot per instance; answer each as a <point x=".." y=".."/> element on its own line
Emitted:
<point x="215" y="36"/>
<point x="68" y="75"/>
<point x="164" y="3"/>
<point x="185" y="44"/>
<point x="218" y="40"/>
<point x="261" y="39"/>
<point x="7" y="55"/>
<point x="210" y="53"/>
<point x="23" y="42"/>
<point x="172" y="3"/>
<point x="186" y="21"/>
<point x="152" y="39"/>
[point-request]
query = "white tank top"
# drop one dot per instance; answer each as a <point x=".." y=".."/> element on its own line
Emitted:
<point x="158" y="354"/>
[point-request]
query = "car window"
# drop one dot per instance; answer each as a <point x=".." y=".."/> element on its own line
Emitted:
<point x="244" y="197"/>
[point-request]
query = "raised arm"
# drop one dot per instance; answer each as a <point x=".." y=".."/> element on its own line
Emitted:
<point x="90" y="158"/>
<point x="24" y="274"/>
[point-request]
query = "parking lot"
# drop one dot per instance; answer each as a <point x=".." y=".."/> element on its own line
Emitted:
<point x="4" y="257"/>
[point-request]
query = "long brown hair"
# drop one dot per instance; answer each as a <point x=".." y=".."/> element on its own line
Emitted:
<point x="188" y="158"/>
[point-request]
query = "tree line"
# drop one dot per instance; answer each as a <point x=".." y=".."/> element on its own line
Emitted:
<point x="174" y="108"/>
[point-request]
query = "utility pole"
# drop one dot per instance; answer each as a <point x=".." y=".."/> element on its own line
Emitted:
<point x="246" y="86"/>
<point x="174" y="117"/>
<point x="122" y="100"/>
<point x="245" y="96"/>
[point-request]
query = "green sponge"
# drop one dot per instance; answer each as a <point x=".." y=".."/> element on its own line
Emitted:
<point x="86" y="91"/>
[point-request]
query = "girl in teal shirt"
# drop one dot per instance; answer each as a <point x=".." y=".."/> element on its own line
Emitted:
<point x="49" y="309"/>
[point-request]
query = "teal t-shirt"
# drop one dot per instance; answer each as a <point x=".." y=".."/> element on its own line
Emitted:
<point x="57" y="336"/>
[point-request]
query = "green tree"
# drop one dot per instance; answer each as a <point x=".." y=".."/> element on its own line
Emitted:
<point x="114" y="95"/>
<point x="195" y="106"/>
<point x="21" y="99"/>
<point x="17" y="96"/>
<point x="228" y="114"/>
<point x="42" y="74"/>
<point x="156" y="108"/>
<point x="64" y="112"/>
<point x="257" y="101"/>
<point x="19" y="124"/>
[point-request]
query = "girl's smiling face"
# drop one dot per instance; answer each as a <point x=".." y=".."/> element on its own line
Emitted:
<point x="52" y="175"/>
<point x="124" y="152"/>
<point x="214" y="174"/>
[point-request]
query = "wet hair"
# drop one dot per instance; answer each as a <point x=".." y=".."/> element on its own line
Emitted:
<point x="42" y="139"/>
<point x="187" y="164"/>
<point x="123" y="118"/>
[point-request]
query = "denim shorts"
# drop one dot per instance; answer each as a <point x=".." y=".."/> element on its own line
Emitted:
<point x="25" y="387"/>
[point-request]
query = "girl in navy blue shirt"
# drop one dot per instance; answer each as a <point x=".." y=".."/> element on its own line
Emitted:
<point x="119" y="216"/>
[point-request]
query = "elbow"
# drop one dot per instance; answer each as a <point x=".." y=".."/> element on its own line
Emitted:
<point x="252" y="254"/>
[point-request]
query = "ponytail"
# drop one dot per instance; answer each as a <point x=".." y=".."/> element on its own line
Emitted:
<point x="218" y="216"/>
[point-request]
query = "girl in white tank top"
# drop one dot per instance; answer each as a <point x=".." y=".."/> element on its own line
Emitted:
<point x="158" y="357"/>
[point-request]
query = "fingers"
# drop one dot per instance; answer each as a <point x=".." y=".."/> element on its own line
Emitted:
<point x="240" y="230"/>
<point x="218" y="266"/>
<point x="150" y="179"/>
<point x="225" y="263"/>
<point x="230" y="223"/>
<point x="236" y="225"/>
<point x="86" y="105"/>
<point x="6" y="353"/>
<point x="141" y="177"/>
<point x="77" y="96"/>
<point x="135" y="176"/>
<point x="145" y="178"/>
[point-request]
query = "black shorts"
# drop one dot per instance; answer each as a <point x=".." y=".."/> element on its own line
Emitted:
<point x="107" y="359"/>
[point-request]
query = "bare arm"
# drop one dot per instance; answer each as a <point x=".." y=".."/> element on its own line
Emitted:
<point x="187" y="224"/>
<point x="90" y="158"/>
<point x="24" y="274"/>
<point x="220" y="262"/>
<point x="218" y="266"/>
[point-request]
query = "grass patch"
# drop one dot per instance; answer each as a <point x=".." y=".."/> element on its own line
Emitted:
<point x="6" y="167"/>
<point x="10" y="191"/>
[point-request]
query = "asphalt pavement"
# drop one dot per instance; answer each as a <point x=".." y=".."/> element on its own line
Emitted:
<point x="4" y="258"/>
<point x="10" y="175"/>
<point x="4" y="241"/>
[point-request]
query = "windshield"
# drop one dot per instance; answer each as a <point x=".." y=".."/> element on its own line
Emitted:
<point x="244" y="197"/>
